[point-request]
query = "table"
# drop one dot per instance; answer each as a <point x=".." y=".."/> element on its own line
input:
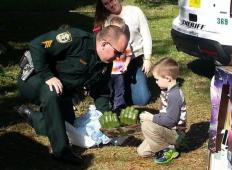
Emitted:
<point x="220" y="131"/>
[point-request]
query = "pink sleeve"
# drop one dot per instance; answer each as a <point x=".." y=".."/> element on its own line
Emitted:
<point x="97" y="29"/>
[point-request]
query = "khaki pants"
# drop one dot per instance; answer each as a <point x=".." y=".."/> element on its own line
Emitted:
<point x="156" y="138"/>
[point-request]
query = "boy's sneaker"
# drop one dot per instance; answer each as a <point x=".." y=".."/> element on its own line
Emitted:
<point x="167" y="156"/>
<point x="159" y="154"/>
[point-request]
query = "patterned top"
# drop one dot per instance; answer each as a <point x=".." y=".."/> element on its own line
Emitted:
<point x="119" y="62"/>
<point x="173" y="108"/>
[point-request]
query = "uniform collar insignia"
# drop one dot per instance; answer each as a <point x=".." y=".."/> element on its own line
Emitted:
<point x="47" y="43"/>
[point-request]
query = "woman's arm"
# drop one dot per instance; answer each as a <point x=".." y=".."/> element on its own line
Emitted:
<point x="147" y="41"/>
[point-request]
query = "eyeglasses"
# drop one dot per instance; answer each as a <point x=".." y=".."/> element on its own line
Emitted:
<point x="116" y="52"/>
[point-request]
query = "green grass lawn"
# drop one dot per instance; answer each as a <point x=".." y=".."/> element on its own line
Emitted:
<point x="22" y="149"/>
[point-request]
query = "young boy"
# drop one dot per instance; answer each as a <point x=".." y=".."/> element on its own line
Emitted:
<point x="163" y="129"/>
<point x="119" y="67"/>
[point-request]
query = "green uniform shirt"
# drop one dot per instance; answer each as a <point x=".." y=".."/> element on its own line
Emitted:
<point x="70" y="55"/>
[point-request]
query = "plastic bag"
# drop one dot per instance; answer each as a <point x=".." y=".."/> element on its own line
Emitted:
<point x="77" y="137"/>
<point x="86" y="130"/>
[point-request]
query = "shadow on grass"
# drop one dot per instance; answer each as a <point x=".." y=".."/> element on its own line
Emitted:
<point x="11" y="56"/>
<point x="8" y="115"/>
<point x="9" y="105"/>
<point x="8" y="88"/>
<point x="20" y="27"/>
<point x="180" y="81"/>
<point x="132" y="142"/>
<point x="196" y="136"/>
<point x="22" y="153"/>
<point x="24" y="26"/>
<point x="202" y="67"/>
<point x="154" y="88"/>
<point x="85" y="3"/>
<point x="43" y="5"/>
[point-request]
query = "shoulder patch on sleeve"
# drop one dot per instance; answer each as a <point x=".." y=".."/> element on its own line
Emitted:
<point x="64" y="37"/>
<point x="47" y="43"/>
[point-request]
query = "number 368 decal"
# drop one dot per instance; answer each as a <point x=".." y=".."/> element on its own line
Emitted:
<point x="222" y="21"/>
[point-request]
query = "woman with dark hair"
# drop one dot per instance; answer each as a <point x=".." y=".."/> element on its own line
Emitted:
<point x="137" y="91"/>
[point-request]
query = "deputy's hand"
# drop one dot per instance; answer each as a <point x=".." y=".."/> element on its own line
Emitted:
<point x="56" y="83"/>
<point x="146" y="116"/>
<point x="146" y="66"/>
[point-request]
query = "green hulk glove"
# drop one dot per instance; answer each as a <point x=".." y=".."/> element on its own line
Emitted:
<point x="109" y="120"/>
<point x="129" y="116"/>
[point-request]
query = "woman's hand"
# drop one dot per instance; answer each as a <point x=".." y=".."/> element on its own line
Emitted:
<point x="146" y="66"/>
<point x="56" y="83"/>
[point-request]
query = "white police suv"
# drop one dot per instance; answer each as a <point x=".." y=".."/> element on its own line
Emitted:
<point x="203" y="29"/>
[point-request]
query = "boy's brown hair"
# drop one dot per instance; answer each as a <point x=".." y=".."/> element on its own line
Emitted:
<point x="166" y="67"/>
<point x="118" y="21"/>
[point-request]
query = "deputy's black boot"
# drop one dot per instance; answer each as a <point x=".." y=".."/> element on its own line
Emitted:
<point x="26" y="113"/>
